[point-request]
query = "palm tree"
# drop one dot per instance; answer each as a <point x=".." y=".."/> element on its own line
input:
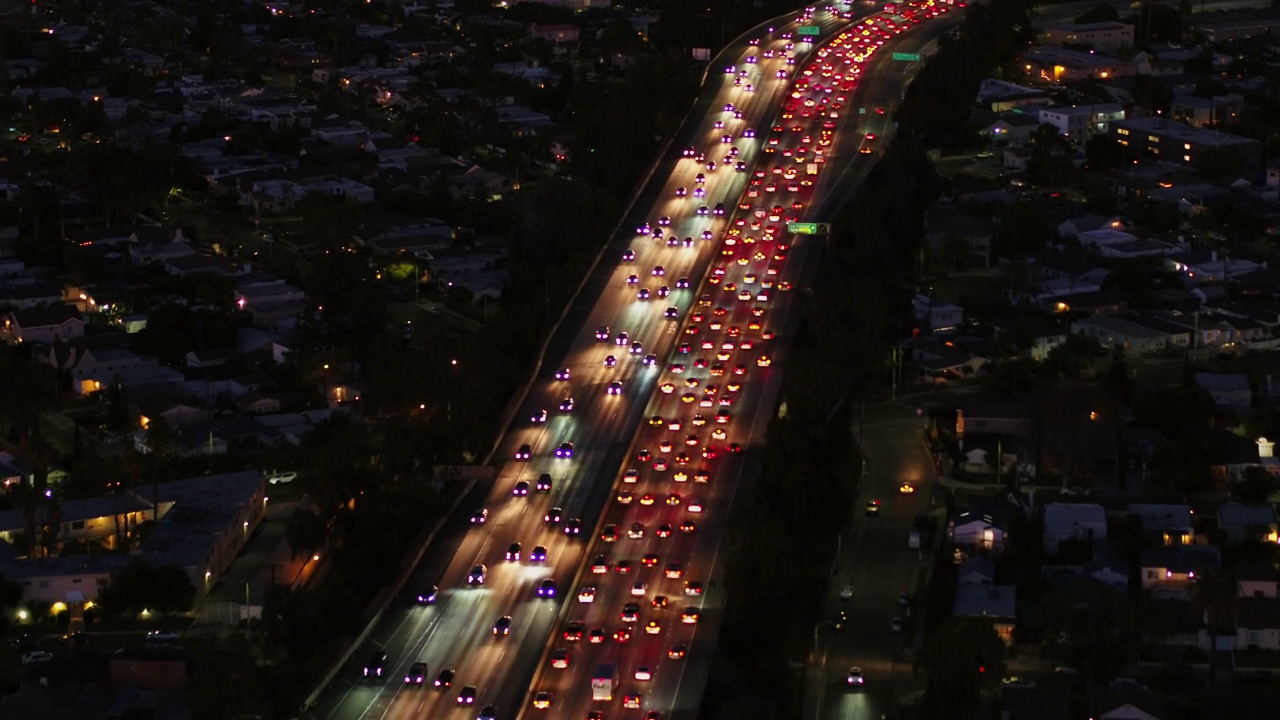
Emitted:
<point x="1213" y="594"/>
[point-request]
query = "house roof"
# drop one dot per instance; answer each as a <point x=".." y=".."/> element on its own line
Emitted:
<point x="994" y="601"/>
<point x="1223" y="382"/>
<point x="1061" y="518"/>
<point x="1162" y="516"/>
<point x="45" y="317"/>
<point x="979" y="565"/>
<point x="1257" y="572"/>
<point x="1241" y="515"/>
<point x="1133" y="703"/>
<point x="1188" y="558"/>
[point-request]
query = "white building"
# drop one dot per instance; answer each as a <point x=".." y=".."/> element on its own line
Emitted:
<point x="1078" y="122"/>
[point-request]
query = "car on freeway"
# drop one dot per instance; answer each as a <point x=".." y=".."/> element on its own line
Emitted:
<point x="428" y="596"/>
<point x="573" y="527"/>
<point x="480" y="516"/>
<point x="502" y="626"/>
<point x="538" y="417"/>
<point x="566" y="405"/>
<point x="477" y="575"/>
<point x="376" y="664"/>
<point x="554" y="516"/>
<point x="872" y="508"/>
<point x="444" y="679"/>
<point x="564" y="450"/>
<point x="561" y="658"/>
<point x="544" y="483"/>
<point x="513" y="552"/>
<point x="538" y="555"/>
<point x="417" y="674"/>
<point x="855" y="677"/>
<point x="547" y="588"/>
<point x="521" y="488"/>
<point x="615" y="387"/>
<point x="542" y="700"/>
<point x="488" y="712"/>
<point x="467" y="695"/>
<point x="562" y="374"/>
<point x="587" y="594"/>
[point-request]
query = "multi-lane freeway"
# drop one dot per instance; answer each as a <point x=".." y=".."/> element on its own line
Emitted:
<point x="658" y="389"/>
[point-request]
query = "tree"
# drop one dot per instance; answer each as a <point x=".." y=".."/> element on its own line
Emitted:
<point x="961" y="658"/>
<point x="1213" y="594"/>
<point x="1090" y="626"/>
<point x="306" y="532"/>
<point x="1256" y="487"/>
<point x="1023" y="227"/>
<point x="171" y="590"/>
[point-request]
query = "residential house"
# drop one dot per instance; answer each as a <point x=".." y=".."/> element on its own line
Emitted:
<point x="215" y="357"/>
<point x="940" y="362"/>
<point x="1110" y="571"/>
<point x="1258" y="623"/>
<point x="43" y="325"/>
<point x="1107" y="36"/>
<point x="1125" y="702"/>
<point x="1120" y="332"/>
<point x="998" y="603"/>
<point x="1171" y="523"/>
<point x="977" y="530"/>
<point x="1206" y="266"/>
<point x="165" y="401"/>
<point x="96" y="369"/>
<point x="1176" y="142"/>
<point x="1078" y="123"/>
<point x="937" y="317"/>
<point x="1239" y="522"/>
<point x="1258" y="580"/>
<point x="102" y="520"/>
<point x="976" y="570"/>
<point x="556" y="34"/>
<point x="1066" y="521"/>
<point x="1170" y="571"/>
<point x="1011" y="128"/>
<point x="945" y="222"/>
<point x="1231" y="392"/>
<point x="29" y="294"/>
<point x="1008" y="416"/>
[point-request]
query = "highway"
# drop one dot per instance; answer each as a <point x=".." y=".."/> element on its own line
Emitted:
<point x="610" y="399"/>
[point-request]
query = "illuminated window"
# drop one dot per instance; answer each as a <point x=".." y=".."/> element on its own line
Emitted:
<point x="1186" y="158"/>
<point x="1122" y="131"/>
<point x="1153" y="139"/>
<point x="1186" y="146"/>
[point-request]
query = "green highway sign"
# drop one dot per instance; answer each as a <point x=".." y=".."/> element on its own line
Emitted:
<point x="907" y="57"/>
<point x="809" y="30"/>
<point x="798" y="228"/>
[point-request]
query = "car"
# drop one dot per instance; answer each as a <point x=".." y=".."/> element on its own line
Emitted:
<point x="658" y="271"/>
<point x="649" y="560"/>
<point x="631" y="701"/>
<point x="643" y="294"/>
<point x="444" y="679"/>
<point x="694" y="506"/>
<point x="428" y="596"/>
<point x="659" y="602"/>
<point x="572" y="631"/>
<point x="488" y="712"/>
<point x="639" y="588"/>
<point x="596" y="635"/>
<point x="609" y="533"/>
<point x="163" y="636"/>
<point x="622" y="635"/>
<point x="587" y="594"/>
<point x="846" y="592"/>
<point x="602" y="332"/>
<point x="544" y="483"/>
<point x="538" y="417"/>
<point x="690" y="615"/>
<point x="562" y="374"/>
<point x="855" y="678"/>
<point x="417" y="674"/>
<point x="621" y="338"/>
<point x="649" y="360"/>
<point x="644" y="673"/>
<point x="872" y="508"/>
<point x="564" y="450"/>
<point x="626" y="497"/>
<point x="513" y="552"/>
<point x="1019" y="682"/>
<point x="554" y="516"/>
<point x="636" y="531"/>
<point x="542" y="700"/>
<point x="671" y="313"/>
<point x="623" y="567"/>
<point x="663" y="531"/>
<point x="521" y="488"/>
<point x="693" y="587"/>
<point x="566" y="404"/>
<point x="600" y="565"/>
<point x="560" y="658"/>
<point x="373" y="668"/>
<point x="547" y="588"/>
<point x="573" y="527"/>
<point x="682" y="283"/>
<point x="636" y="348"/>
<point x="630" y="613"/>
<point x="538" y="555"/>
<point x="39" y="656"/>
<point x="502" y="626"/>
<point x="477" y="575"/>
<point x="906" y="488"/>
<point x="764" y="361"/>
<point x="614" y="388"/>
<point x="525" y="452"/>
<point x="282" y="478"/>
<point x="840" y="620"/>
<point x="677" y="652"/>
<point x="897" y="624"/>
<point x="674" y="570"/>
<point x="467" y="695"/>
<point x="633" y="279"/>
<point x="480" y="516"/>
<point x="688" y="526"/>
